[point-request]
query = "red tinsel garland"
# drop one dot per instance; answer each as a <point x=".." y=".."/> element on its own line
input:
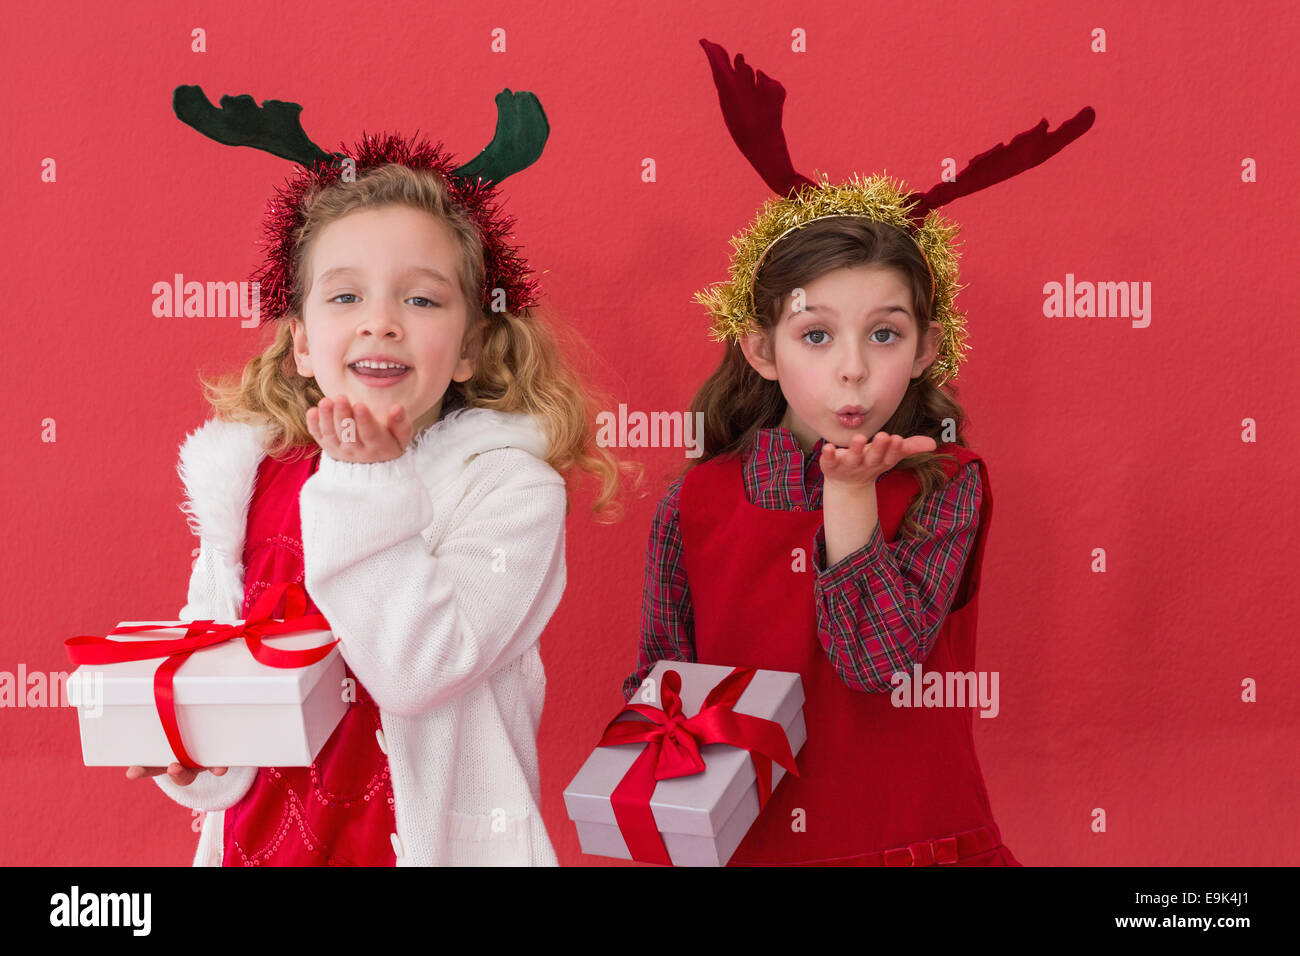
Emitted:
<point x="504" y="268"/>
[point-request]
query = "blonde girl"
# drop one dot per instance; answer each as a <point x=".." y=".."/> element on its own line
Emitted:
<point x="402" y="448"/>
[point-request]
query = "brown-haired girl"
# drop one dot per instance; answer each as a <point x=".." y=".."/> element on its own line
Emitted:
<point x="835" y="524"/>
<point x="794" y="544"/>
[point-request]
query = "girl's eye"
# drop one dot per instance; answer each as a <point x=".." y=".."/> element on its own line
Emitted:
<point x="427" y="303"/>
<point x="820" y="336"/>
<point x="890" y="331"/>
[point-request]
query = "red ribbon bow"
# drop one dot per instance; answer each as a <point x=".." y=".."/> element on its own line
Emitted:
<point x="674" y="751"/>
<point x="96" y="649"/>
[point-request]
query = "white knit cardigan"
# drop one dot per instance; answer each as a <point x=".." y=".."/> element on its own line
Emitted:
<point x="437" y="571"/>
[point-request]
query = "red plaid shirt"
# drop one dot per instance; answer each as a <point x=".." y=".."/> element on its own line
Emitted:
<point x="878" y="609"/>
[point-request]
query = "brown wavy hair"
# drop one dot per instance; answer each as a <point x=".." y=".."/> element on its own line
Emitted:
<point x="737" y="401"/>
<point x="520" y="363"/>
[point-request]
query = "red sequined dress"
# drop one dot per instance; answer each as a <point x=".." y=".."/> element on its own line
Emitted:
<point x="338" y="811"/>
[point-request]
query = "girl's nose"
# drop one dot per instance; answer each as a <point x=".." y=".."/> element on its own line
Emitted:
<point x="382" y="319"/>
<point x="852" y="367"/>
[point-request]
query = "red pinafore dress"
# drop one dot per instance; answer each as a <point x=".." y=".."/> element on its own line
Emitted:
<point x="338" y="811"/>
<point x="877" y="784"/>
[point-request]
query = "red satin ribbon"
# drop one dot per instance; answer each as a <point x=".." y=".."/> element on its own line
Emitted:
<point x="96" y="649"/>
<point x="673" y="750"/>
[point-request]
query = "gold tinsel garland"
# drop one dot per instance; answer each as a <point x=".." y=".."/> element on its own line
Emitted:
<point x="877" y="197"/>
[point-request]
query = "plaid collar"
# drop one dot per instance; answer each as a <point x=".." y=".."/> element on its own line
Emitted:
<point x="779" y="476"/>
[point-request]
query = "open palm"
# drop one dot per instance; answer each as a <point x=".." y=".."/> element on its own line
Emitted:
<point x="862" y="462"/>
<point x="368" y="440"/>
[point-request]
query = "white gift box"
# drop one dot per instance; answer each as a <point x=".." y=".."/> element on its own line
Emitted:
<point x="701" y="818"/>
<point x="232" y="711"/>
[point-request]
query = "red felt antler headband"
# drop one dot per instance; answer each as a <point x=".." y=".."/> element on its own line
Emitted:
<point x="752" y="108"/>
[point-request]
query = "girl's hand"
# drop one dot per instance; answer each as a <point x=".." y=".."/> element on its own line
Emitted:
<point x="862" y="464"/>
<point x="179" y="774"/>
<point x="374" y="440"/>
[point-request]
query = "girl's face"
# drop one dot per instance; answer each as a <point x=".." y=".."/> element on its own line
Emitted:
<point x="844" y="362"/>
<point x="384" y="284"/>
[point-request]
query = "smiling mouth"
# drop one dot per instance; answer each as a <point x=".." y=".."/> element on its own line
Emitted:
<point x="367" y="372"/>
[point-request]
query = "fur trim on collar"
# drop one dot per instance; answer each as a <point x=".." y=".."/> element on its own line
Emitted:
<point x="219" y="461"/>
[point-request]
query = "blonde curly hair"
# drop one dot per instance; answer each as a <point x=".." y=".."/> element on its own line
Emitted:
<point x="520" y="366"/>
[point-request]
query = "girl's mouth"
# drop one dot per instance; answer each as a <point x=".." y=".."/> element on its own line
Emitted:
<point x="379" y="377"/>
<point x="853" y="420"/>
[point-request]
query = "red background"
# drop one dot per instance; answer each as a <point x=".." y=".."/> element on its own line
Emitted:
<point x="1119" y="690"/>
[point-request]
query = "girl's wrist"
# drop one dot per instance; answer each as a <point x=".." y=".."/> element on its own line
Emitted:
<point x="400" y="468"/>
<point x="849" y="490"/>
<point x="849" y="516"/>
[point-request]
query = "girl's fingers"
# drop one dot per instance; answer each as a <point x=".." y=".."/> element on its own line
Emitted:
<point x="342" y="412"/>
<point x="373" y="432"/>
<point x="875" y="455"/>
<point x="920" y="443"/>
<point x="325" y="421"/>
<point x="365" y="426"/>
<point x="367" y="434"/>
<point x="182" y="775"/>
<point x="874" y="452"/>
<point x="400" y="426"/>
<point x="378" y="436"/>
